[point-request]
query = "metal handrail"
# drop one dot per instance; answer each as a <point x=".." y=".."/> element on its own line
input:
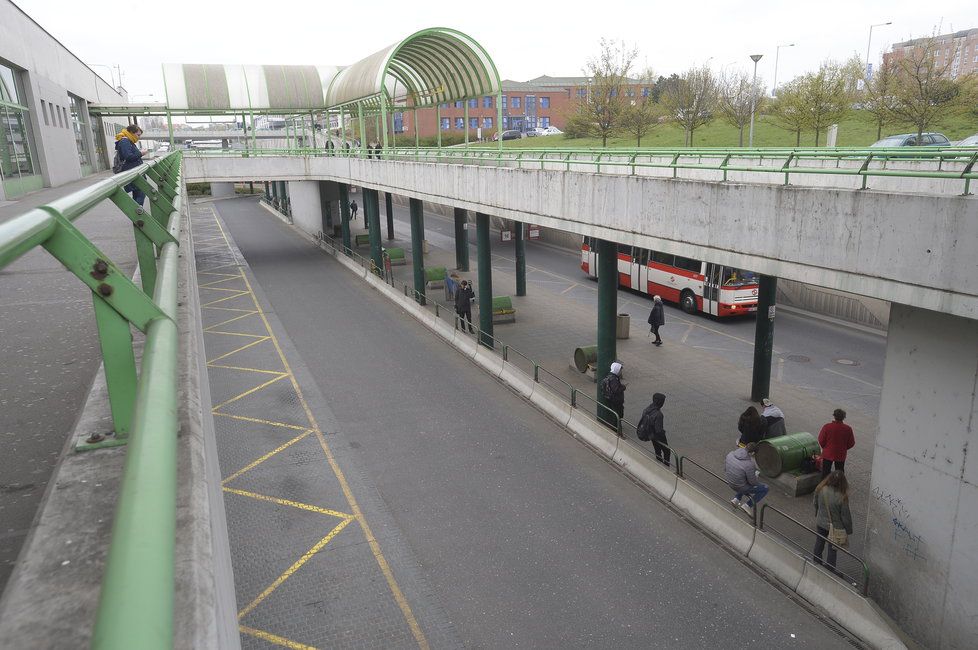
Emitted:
<point x="136" y="602"/>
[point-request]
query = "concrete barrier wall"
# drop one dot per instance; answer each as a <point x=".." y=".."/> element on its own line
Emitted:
<point x="856" y="614"/>
<point x="914" y="249"/>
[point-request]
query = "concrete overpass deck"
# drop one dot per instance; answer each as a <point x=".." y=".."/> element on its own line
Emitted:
<point x="484" y="511"/>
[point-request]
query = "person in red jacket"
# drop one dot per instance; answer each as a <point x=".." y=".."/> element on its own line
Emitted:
<point x="836" y="440"/>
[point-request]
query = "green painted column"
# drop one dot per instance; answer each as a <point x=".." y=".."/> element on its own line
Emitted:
<point x="764" y="338"/>
<point x="461" y="239"/>
<point x="274" y="186"/>
<point x="389" y="205"/>
<point x="371" y="201"/>
<point x="417" y="246"/>
<point x="607" y="315"/>
<point x="520" y="244"/>
<point x="345" y="216"/>
<point x="485" y="278"/>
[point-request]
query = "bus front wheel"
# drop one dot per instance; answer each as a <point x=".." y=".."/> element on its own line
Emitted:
<point x="688" y="302"/>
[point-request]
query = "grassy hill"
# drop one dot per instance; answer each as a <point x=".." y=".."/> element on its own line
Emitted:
<point x="858" y="130"/>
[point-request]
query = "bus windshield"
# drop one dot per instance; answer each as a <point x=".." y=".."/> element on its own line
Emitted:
<point x="738" y="277"/>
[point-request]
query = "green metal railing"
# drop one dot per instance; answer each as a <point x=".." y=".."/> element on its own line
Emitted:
<point x="136" y="604"/>
<point x="935" y="163"/>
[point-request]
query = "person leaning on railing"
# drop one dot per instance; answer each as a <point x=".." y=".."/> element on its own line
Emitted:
<point x="833" y="520"/>
<point x="129" y="156"/>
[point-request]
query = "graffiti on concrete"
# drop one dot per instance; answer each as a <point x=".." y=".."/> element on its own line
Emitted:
<point x="902" y="533"/>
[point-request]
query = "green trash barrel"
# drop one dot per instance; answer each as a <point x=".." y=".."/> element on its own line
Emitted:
<point x="584" y="355"/>
<point x="785" y="453"/>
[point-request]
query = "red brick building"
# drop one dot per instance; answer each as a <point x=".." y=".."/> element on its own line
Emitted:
<point x="958" y="48"/>
<point x="541" y="102"/>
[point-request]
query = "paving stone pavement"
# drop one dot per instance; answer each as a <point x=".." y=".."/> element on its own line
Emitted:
<point x="705" y="392"/>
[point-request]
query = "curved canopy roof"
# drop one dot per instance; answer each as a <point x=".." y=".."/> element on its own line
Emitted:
<point x="433" y="66"/>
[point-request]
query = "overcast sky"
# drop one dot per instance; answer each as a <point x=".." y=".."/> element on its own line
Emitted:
<point x="552" y="38"/>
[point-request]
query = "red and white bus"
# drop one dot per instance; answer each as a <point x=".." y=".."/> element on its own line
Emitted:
<point x="696" y="285"/>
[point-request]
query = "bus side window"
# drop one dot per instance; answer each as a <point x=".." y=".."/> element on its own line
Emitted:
<point x="625" y="249"/>
<point x="663" y="258"/>
<point x="641" y="256"/>
<point x="715" y="273"/>
<point x="587" y="241"/>
<point x="688" y="264"/>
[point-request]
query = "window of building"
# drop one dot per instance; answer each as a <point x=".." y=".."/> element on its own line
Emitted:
<point x="487" y="122"/>
<point x="487" y="102"/>
<point x="505" y="101"/>
<point x="445" y="105"/>
<point x="460" y="123"/>
<point x="44" y="110"/>
<point x="18" y="161"/>
<point x="445" y="124"/>
<point x="398" y="122"/>
<point x="582" y="92"/>
<point x="544" y="102"/>
<point x="505" y="121"/>
<point x="79" y="122"/>
<point x="473" y="123"/>
<point x="531" y="122"/>
<point x="459" y="104"/>
<point x="614" y="92"/>
<point x="531" y="102"/>
<point x="630" y="92"/>
<point x="474" y="103"/>
<point x="514" y="102"/>
<point x="544" y="122"/>
<point x="645" y="92"/>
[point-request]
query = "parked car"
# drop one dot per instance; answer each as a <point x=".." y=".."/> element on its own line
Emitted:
<point x="970" y="141"/>
<point x="509" y="135"/>
<point x="910" y="140"/>
<point x="552" y="130"/>
<point x="532" y="133"/>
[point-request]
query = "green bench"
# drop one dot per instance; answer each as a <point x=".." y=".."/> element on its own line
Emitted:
<point x="435" y="277"/>
<point x="502" y="310"/>
<point x="361" y="240"/>
<point x="396" y="256"/>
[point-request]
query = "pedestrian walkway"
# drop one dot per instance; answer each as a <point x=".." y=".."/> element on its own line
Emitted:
<point x="705" y="392"/>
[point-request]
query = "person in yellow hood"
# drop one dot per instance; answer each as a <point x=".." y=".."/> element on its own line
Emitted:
<point x="129" y="156"/>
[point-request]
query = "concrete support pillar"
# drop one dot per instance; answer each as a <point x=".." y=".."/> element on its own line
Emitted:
<point x="345" y="217"/>
<point x="923" y="502"/>
<point x="222" y="190"/>
<point x="607" y="315"/>
<point x="461" y="239"/>
<point x="306" y="205"/>
<point x="389" y="205"/>
<point x="764" y="338"/>
<point x="371" y="208"/>
<point x="417" y="247"/>
<point x="325" y="211"/>
<point x="268" y="191"/>
<point x="485" y="278"/>
<point x="520" y="245"/>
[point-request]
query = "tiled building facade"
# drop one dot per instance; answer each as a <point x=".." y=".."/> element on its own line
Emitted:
<point x="958" y="48"/>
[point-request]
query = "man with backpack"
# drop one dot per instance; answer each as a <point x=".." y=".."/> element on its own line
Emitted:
<point x="128" y="156"/>
<point x="613" y="391"/>
<point x="650" y="427"/>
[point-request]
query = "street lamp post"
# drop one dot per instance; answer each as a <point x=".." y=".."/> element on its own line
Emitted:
<point x="777" y="54"/>
<point x="753" y="99"/>
<point x="870" y="42"/>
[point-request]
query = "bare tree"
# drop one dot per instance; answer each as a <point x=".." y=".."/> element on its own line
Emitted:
<point x="878" y="96"/>
<point x="789" y="110"/>
<point x="691" y="100"/>
<point x="641" y="113"/>
<point x="924" y="88"/>
<point x="736" y="96"/>
<point x="599" y="111"/>
<point x="828" y="94"/>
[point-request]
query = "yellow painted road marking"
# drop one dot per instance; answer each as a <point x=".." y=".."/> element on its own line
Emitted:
<point x="271" y="423"/>
<point x="267" y="372"/>
<point x="223" y="288"/>
<point x="287" y="502"/>
<point x="274" y="638"/>
<point x="250" y="391"/>
<point x="210" y="285"/>
<point x="250" y="311"/>
<point x="236" y="295"/>
<point x="255" y="463"/>
<point x="227" y="275"/>
<point x="254" y="336"/>
<point x="409" y="617"/>
<point x="230" y="320"/>
<point x="243" y="347"/>
<point x="295" y="567"/>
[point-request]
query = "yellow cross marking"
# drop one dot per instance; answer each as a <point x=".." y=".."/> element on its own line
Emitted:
<point x="274" y="638"/>
<point x="243" y="347"/>
<point x="259" y="461"/>
<point x="250" y="391"/>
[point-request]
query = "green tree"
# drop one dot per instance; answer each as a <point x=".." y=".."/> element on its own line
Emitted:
<point x="878" y="98"/>
<point x="789" y="111"/>
<point x="828" y="94"/>
<point x="737" y="96"/>
<point x="641" y="113"/>
<point x="691" y="100"/>
<point x="926" y="89"/>
<point x="600" y="110"/>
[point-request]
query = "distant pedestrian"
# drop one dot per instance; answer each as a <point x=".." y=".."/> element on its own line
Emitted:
<point x="330" y="147"/>
<point x="463" y="304"/>
<point x="835" y="439"/>
<point x="752" y="427"/>
<point x="650" y="427"/>
<point x="129" y="156"/>
<point x="353" y="209"/>
<point x="774" y="418"/>
<point x="657" y="318"/>
<point x="741" y="474"/>
<point x="613" y="391"/>
<point x="451" y="286"/>
<point x="833" y="520"/>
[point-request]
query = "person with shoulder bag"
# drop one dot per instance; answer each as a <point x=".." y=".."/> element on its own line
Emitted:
<point x="833" y="520"/>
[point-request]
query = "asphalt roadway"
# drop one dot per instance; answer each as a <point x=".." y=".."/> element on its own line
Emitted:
<point x="523" y="536"/>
